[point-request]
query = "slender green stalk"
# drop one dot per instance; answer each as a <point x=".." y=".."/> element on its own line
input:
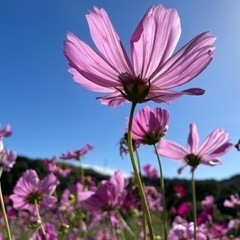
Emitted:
<point x="194" y="206"/>
<point x="39" y="218"/>
<point x="133" y="236"/>
<point x="138" y="162"/>
<point x="144" y="215"/>
<point x="137" y="176"/>
<point x="4" y="213"/>
<point x="163" y="195"/>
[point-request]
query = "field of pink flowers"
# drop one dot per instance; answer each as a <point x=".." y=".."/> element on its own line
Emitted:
<point x="119" y="208"/>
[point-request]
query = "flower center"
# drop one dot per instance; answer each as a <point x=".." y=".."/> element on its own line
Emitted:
<point x="34" y="196"/>
<point x="152" y="137"/>
<point x="192" y="160"/>
<point x="135" y="89"/>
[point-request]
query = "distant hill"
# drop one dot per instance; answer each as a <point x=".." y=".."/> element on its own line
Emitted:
<point x="219" y="189"/>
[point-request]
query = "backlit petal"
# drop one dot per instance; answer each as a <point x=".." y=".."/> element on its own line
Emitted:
<point x="193" y="139"/>
<point x="154" y="39"/>
<point x="113" y="99"/>
<point x="187" y="63"/>
<point x="107" y="41"/>
<point x="89" y="64"/>
<point x="171" y="149"/>
<point x="213" y="141"/>
<point x="84" y="82"/>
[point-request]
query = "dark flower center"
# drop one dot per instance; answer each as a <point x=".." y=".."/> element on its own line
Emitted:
<point x="34" y="197"/>
<point x="107" y="208"/>
<point x="192" y="160"/>
<point x="152" y="137"/>
<point x="135" y="89"/>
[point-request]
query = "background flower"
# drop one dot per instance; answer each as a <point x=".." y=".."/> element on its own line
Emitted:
<point x="149" y="125"/>
<point x="214" y="146"/>
<point x="30" y="189"/>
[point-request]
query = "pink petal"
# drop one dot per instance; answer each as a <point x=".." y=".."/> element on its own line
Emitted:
<point x="193" y="139"/>
<point x="82" y="196"/>
<point x="179" y="171"/>
<point x="154" y="40"/>
<point x="84" y="82"/>
<point x="107" y="41"/>
<point x="171" y="149"/>
<point x="187" y="63"/>
<point x="167" y="96"/>
<point x="213" y="141"/>
<point x="213" y="162"/>
<point x="113" y="99"/>
<point x="89" y="64"/>
<point x="218" y="152"/>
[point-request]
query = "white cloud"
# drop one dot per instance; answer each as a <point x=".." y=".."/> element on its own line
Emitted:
<point x="105" y="170"/>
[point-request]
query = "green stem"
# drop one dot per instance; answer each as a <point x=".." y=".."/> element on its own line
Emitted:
<point x="163" y="194"/>
<point x="133" y="236"/>
<point x="140" y="173"/>
<point x="194" y="206"/>
<point x="4" y="213"/>
<point x="137" y="176"/>
<point x="39" y="218"/>
<point x="139" y="165"/>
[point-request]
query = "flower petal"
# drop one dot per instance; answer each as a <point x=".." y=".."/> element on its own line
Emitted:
<point x="113" y="99"/>
<point x="213" y="142"/>
<point x="89" y="64"/>
<point x="193" y="139"/>
<point x="84" y="82"/>
<point x="213" y="162"/>
<point x="218" y="152"/>
<point x="154" y="39"/>
<point x="160" y="95"/>
<point x="187" y="63"/>
<point x="171" y="149"/>
<point x="107" y="41"/>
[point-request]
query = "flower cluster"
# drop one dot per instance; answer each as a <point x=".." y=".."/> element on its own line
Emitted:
<point x="89" y="209"/>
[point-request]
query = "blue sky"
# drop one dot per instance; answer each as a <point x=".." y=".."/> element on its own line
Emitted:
<point x="50" y="114"/>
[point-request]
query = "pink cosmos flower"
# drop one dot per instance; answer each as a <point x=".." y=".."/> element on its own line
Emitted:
<point x="30" y="189"/>
<point x="50" y="165"/>
<point x="149" y="125"/>
<point x="208" y="202"/>
<point x="150" y="172"/>
<point x="70" y="197"/>
<point x="184" y="231"/>
<point x="179" y="190"/>
<point x="108" y="196"/>
<point x="233" y="202"/>
<point x="5" y="132"/>
<point x="51" y="233"/>
<point x="76" y="154"/>
<point x="7" y="158"/>
<point x="184" y="209"/>
<point x="214" y="146"/>
<point x="153" y="70"/>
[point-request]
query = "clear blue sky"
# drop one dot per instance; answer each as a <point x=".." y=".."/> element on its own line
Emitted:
<point x="50" y="114"/>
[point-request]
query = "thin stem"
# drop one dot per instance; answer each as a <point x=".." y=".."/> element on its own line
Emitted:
<point x="125" y="225"/>
<point x="163" y="194"/>
<point x="137" y="177"/>
<point x="194" y="206"/>
<point x="139" y="165"/>
<point x="140" y="173"/>
<point x="39" y="218"/>
<point x="5" y="214"/>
